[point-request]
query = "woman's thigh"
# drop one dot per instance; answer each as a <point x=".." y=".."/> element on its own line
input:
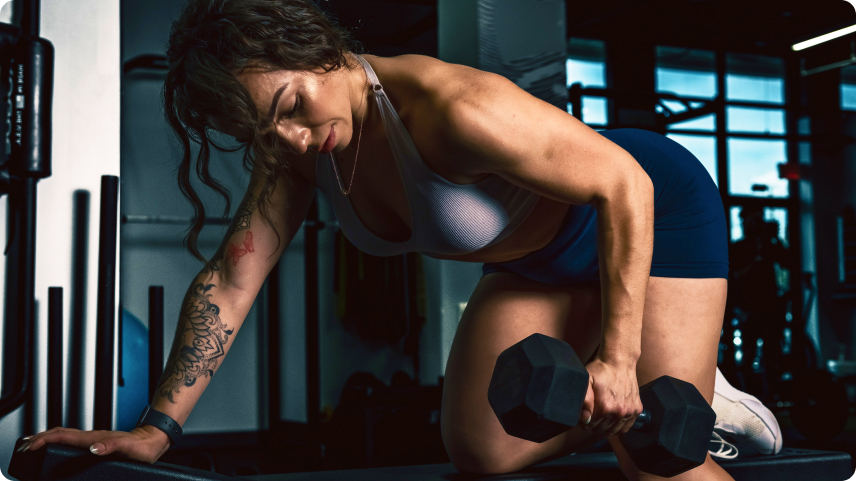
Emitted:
<point x="504" y="309"/>
<point x="681" y="325"/>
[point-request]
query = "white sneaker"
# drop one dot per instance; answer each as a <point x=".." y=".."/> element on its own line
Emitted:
<point x="743" y="422"/>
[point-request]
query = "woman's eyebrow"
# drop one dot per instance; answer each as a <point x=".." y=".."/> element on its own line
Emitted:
<point x="275" y="101"/>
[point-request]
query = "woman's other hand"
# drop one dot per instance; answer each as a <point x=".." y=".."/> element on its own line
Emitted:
<point x="145" y="443"/>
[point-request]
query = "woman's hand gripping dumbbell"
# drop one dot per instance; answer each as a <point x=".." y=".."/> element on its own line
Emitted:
<point x="537" y="392"/>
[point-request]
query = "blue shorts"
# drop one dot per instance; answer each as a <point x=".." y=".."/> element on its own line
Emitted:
<point x="690" y="235"/>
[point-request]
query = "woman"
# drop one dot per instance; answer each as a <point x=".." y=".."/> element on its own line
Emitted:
<point x="613" y="241"/>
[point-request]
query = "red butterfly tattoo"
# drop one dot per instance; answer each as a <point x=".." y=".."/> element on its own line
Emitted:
<point x="236" y="251"/>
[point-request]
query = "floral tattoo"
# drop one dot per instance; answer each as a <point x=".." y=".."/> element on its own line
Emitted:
<point x="200" y="342"/>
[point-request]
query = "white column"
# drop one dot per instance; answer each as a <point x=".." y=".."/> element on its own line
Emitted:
<point x="522" y="40"/>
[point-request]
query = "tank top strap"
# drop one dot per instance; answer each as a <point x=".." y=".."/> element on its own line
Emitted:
<point x="376" y="86"/>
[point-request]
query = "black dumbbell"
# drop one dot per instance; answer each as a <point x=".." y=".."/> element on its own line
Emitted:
<point x="537" y="392"/>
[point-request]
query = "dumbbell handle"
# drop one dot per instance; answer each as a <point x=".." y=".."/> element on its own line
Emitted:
<point x="642" y="421"/>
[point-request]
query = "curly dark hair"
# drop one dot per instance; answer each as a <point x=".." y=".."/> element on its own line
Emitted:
<point x="210" y="44"/>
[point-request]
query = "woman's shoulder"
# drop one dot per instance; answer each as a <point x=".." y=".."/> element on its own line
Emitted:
<point x="429" y="78"/>
<point x="433" y="98"/>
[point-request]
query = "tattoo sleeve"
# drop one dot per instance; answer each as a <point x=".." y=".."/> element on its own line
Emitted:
<point x="200" y="342"/>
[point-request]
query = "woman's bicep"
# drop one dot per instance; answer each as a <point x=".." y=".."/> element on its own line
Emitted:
<point x="258" y="235"/>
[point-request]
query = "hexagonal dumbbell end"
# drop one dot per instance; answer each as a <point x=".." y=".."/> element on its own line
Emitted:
<point x="538" y="388"/>
<point x="676" y="440"/>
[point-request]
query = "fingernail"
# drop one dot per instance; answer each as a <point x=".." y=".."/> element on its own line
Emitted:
<point x="97" y="448"/>
<point x="24" y="447"/>
<point x="588" y="420"/>
<point x="21" y="448"/>
<point x="28" y="438"/>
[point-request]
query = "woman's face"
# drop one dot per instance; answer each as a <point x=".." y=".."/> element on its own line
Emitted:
<point x="311" y="112"/>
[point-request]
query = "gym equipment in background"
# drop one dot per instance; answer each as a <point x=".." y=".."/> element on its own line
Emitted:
<point x="28" y="61"/>
<point x="132" y="395"/>
<point x="105" y="312"/>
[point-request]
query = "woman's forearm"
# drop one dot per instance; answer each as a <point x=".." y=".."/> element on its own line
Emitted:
<point x="211" y="315"/>
<point x="625" y="249"/>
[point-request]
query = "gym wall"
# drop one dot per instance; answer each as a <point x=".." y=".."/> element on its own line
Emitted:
<point x="85" y="34"/>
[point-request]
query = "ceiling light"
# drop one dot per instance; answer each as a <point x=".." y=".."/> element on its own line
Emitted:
<point x="823" y="38"/>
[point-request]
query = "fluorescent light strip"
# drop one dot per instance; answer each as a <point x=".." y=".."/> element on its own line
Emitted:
<point x="823" y="38"/>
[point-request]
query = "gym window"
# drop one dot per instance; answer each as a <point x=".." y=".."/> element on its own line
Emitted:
<point x="587" y="66"/>
<point x="690" y="74"/>
<point x="753" y="162"/>
<point x="848" y="88"/>
<point x="753" y="130"/>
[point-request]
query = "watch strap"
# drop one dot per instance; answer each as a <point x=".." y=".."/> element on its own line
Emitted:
<point x="153" y="417"/>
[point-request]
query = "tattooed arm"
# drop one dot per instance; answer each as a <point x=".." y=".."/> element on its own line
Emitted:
<point x="222" y="294"/>
<point x="213" y="310"/>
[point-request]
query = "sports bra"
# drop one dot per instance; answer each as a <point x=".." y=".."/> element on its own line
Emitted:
<point x="446" y="218"/>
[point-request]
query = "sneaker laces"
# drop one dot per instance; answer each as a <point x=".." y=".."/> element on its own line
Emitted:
<point x="725" y="450"/>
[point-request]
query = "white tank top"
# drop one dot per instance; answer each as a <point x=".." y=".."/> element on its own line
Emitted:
<point x="446" y="218"/>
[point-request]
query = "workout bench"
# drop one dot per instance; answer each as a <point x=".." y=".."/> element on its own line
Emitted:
<point x="55" y="462"/>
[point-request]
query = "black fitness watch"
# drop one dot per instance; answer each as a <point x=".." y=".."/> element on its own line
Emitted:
<point x="155" y="418"/>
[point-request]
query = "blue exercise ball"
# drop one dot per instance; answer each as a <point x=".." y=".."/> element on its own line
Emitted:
<point x="132" y="395"/>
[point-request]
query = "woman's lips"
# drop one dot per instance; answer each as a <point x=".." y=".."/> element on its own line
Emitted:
<point x="330" y="143"/>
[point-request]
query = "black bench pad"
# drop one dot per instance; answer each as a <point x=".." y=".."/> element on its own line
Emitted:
<point x="57" y="462"/>
<point x="788" y="465"/>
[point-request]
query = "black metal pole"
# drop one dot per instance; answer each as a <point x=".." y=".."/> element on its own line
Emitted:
<point x="14" y="353"/>
<point x="27" y="293"/>
<point x="31" y="9"/>
<point x="77" y="308"/>
<point x="29" y="160"/>
<point x="20" y="280"/>
<point x="103" y="412"/>
<point x="120" y="331"/>
<point x="721" y="137"/>
<point x="55" y="357"/>
<point x="313" y="371"/>
<point x="273" y="370"/>
<point x="155" y="337"/>
<point x="575" y="98"/>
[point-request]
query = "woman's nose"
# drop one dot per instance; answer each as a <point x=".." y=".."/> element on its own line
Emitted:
<point x="298" y="140"/>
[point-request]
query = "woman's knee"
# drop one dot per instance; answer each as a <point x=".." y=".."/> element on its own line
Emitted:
<point x="469" y="455"/>
<point x="503" y="310"/>
<point x="504" y="454"/>
<point x="708" y="470"/>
